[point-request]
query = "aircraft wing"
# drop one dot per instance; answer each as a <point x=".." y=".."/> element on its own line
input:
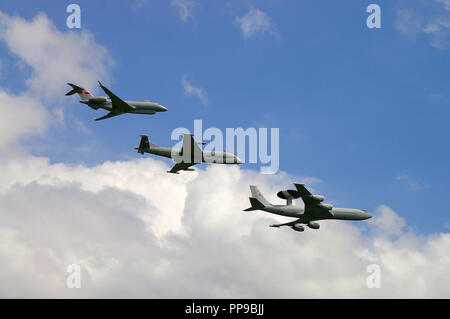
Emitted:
<point x="118" y="105"/>
<point x="312" y="207"/>
<point x="287" y="224"/>
<point x="189" y="145"/>
<point x="181" y="167"/>
<point x="110" y="114"/>
<point x="304" y="193"/>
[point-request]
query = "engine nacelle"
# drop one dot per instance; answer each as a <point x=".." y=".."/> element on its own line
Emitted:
<point x="298" y="227"/>
<point x="327" y="206"/>
<point x="318" y="198"/>
<point x="313" y="225"/>
<point x="97" y="100"/>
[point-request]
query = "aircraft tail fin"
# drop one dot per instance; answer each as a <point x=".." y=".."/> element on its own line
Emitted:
<point x="144" y="145"/>
<point x="257" y="195"/>
<point x="82" y="92"/>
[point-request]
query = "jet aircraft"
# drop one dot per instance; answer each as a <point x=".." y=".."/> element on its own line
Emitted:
<point x="115" y="105"/>
<point x="314" y="208"/>
<point x="190" y="154"/>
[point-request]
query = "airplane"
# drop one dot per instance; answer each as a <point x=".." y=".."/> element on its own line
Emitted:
<point x="189" y="155"/>
<point x="115" y="105"/>
<point x="314" y="208"/>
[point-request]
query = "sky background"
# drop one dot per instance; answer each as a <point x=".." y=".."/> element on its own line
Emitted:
<point x="364" y="113"/>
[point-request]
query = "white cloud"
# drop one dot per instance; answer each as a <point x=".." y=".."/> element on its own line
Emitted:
<point x="256" y="22"/>
<point x="437" y="26"/>
<point x="138" y="4"/>
<point x="445" y="3"/>
<point x="439" y="29"/>
<point x="55" y="58"/>
<point x="191" y="90"/>
<point x="137" y="231"/>
<point x="388" y="222"/>
<point x="140" y="232"/>
<point x="407" y="22"/>
<point x="401" y="176"/>
<point x="20" y="115"/>
<point x="412" y="184"/>
<point x="184" y="8"/>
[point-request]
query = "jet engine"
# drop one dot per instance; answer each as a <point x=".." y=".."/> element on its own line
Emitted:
<point x="298" y="227"/>
<point x="97" y="100"/>
<point x="317" y="198"/>
<point x="313" y="225"/>
<point x="327" y="206"/>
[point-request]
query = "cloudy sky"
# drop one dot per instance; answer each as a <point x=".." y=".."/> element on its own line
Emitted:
<point x="363" y="117"/>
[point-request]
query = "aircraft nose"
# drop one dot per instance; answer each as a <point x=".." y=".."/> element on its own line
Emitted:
<point x="366" y="215"/>
<point x="238" y="160"/>
<point x="162" y="108"/>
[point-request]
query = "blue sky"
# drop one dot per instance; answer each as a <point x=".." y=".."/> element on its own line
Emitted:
<point x="366" y="111"/>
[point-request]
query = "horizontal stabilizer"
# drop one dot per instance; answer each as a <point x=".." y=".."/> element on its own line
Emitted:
<point x="84" y="95"/>
<point x="75" y="89"/>
<point x="256" y="204"/>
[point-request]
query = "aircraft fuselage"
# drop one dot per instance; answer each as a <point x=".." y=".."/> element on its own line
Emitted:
<point x="298" y="212"/>
<point x="206" y="156"/>
<point x="141" y="107"/>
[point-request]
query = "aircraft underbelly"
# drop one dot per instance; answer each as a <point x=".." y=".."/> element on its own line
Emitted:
<point x="106" y="106"/>
<point x="143" y="111"/>
<point x="285" y="211"/>
<point x="161" y="151"/>
<point x="345" y="214"/>
<point x="143" y="107"/>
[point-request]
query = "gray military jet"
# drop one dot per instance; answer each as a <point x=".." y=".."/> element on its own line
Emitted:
<point x="115" y="105"/>
<point x="189" y="155"/>
<point x="314" y="208"/>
